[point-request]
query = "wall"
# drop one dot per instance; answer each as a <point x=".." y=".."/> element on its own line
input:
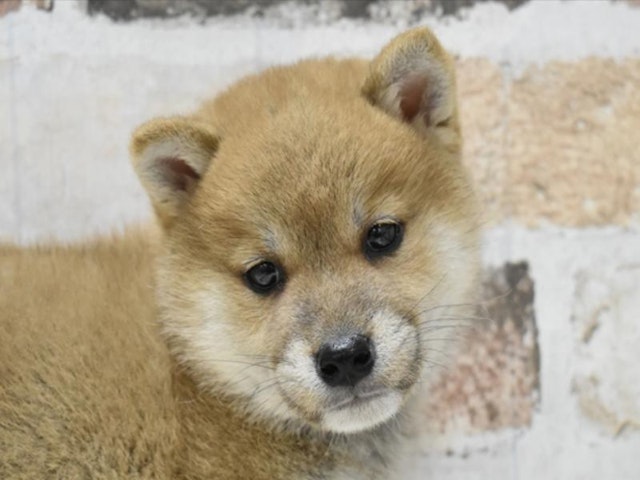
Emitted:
<point x="550" y="95"/>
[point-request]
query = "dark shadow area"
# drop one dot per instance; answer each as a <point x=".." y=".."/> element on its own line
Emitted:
<point x="125" y="10"/>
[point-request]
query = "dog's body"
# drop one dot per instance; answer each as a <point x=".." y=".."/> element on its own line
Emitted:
<point x="296" y="282"/>
<point x="89" y="390"/>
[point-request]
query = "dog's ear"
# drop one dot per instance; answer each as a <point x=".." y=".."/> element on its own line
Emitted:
<point x="170" y="156"/>
<point x="413" y="79"/>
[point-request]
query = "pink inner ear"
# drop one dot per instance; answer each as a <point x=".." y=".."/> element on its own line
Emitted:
<point x="412" y="98"/>
<point x="178" y="173"/>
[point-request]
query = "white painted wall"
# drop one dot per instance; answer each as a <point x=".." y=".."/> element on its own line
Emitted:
<point x="72" y="88"/>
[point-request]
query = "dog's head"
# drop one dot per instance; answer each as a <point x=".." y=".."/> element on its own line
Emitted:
<point x="309" y="252"/>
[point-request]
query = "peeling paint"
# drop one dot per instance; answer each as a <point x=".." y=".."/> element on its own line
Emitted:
<point x="605" y="385"/>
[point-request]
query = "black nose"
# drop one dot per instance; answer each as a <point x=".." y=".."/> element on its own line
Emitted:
<point x="345" y="361"/>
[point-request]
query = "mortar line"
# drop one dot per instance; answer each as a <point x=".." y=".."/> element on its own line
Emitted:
<point x="13" y="131"/>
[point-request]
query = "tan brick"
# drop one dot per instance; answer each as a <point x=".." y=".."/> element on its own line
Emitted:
<point x="573" y="143"/>
<point x="7" y="6"/>
<point x="559" y="144"/>
<point x="484" y="121"/>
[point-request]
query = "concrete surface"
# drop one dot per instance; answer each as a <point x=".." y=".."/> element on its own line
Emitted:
<point x="550" y="96"/>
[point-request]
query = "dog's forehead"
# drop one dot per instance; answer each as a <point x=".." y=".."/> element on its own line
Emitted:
<point x="310" y="183"/>
<point x="315" y="161"/>
<point x="310" y="217"/>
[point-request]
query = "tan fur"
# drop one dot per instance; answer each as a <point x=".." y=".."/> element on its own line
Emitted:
<point x="292" y="165"/>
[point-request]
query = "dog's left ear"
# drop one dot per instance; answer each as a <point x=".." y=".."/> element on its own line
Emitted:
<point x="413" y="79"/>
<point x="170" y="156"/>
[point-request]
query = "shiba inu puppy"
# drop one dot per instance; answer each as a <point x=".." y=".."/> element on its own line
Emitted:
<point x="315" y="224"/>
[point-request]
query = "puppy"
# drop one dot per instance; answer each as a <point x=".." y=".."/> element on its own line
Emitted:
<point x="315" y="225"/>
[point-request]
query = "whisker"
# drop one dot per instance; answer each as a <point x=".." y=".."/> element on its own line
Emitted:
<point x="442" y="339"/>
<point x="254" y="355"/>
<point x="428" y="328"/>
<point x="261" y="387"/>
<point x="431" y="290"/>
<point x="447" y="320"/>
<point x="481" y="304"/>
<point x="469" y="319"/>
<point x="453" y="305"/>
<point x="445" y="353"/>
<point x="250" y="364"/>
<point x="437" y="364"/>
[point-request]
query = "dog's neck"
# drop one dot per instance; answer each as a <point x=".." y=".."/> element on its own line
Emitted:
<point x="215" y="434"/>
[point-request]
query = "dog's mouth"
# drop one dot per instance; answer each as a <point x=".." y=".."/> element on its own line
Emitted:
<point x="354" y="411"/>
<point x="357" y="399"/>
<point x="362" y="411"/>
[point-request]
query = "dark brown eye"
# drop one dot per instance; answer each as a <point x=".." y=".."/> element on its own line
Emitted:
<point x="264" y="277"/>
<point x="383" y="238"/>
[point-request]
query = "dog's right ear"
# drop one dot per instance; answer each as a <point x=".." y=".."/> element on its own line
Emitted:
<point x="170" y="156"/>
<point x="413" y="79"/>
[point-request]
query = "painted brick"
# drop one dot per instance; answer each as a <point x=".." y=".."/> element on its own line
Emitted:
<point x="606" y="340"/>
<point x="494" y="382"/>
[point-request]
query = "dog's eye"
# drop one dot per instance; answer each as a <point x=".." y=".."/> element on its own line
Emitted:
<point x="382" y="238"/>
<point x="264" y="277"/>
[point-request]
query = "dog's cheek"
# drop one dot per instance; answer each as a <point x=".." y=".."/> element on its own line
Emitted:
<point x="397" y="347"/>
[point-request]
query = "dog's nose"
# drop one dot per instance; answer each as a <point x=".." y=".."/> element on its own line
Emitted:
<point x="345" y="361"/>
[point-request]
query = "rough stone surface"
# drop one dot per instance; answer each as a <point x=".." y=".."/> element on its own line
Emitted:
<point x="494" y="381"/>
